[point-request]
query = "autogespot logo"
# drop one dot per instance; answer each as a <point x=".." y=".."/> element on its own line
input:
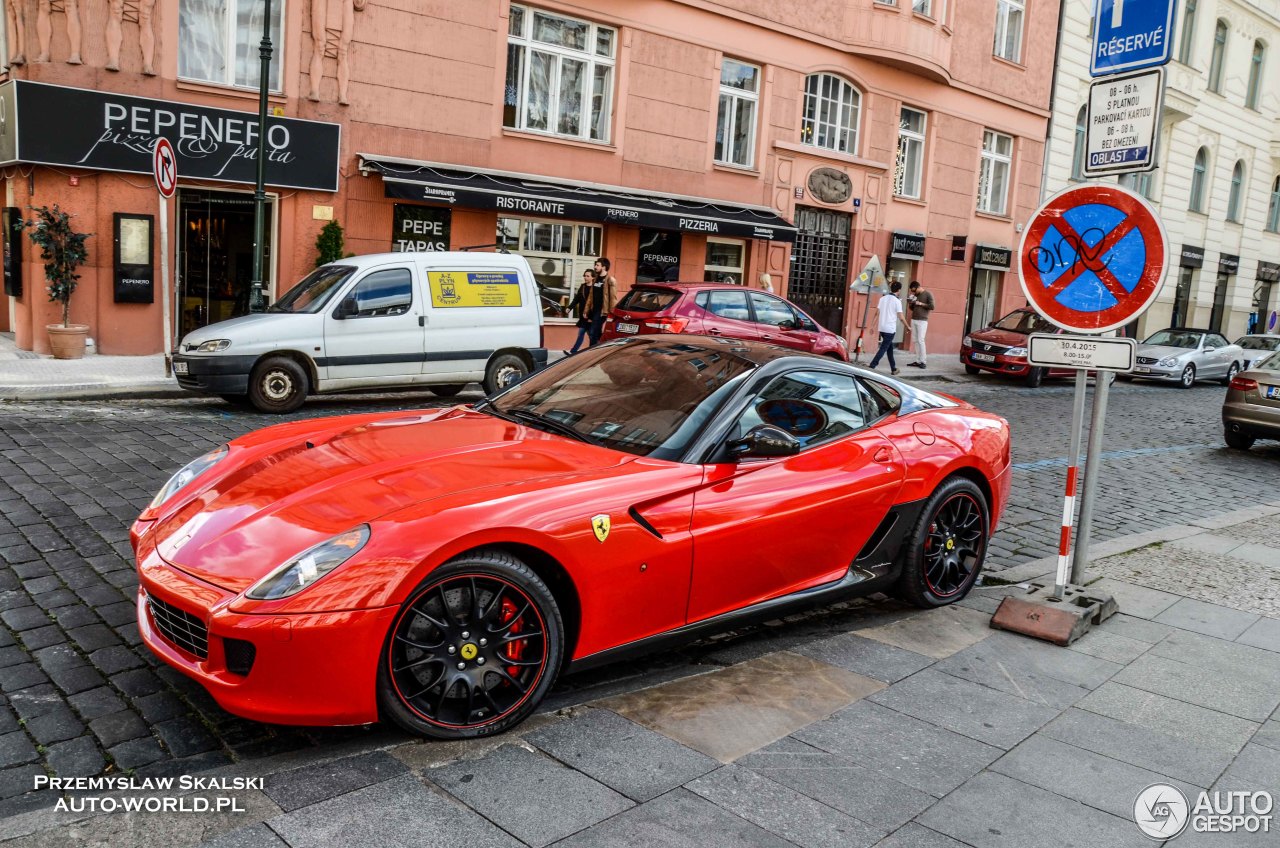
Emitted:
<point x="1161" y="811"/>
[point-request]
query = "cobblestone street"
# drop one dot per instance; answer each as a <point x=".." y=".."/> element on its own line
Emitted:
<point x="81" y="695"/>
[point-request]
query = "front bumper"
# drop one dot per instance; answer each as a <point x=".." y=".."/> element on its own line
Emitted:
<point x="1013" y="366"/>
<point x="308" y="669"/>
<point x="215" y="375"/>
<point x="1156" y="372"/>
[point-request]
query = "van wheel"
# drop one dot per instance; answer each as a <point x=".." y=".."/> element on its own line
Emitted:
<point x="278" y="385"/>
<point x="445" y="391"/>
<point x="503" y="371"/>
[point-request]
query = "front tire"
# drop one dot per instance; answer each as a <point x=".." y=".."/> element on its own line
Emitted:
<point x="505" y="370"/>
<point x="473" y="651"/>
<point x="1231" y="374"/>
<point x="972" y="370"/>
<point x="277" y="385"/>
<point x="1188" y="378"/>
<point x="948" y="546"/>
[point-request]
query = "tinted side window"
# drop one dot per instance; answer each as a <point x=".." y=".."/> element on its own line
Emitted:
<point x="770" y="310"/>
<point x="813" y="406"/>
<point x="726" y="304"/>
<point x="388" y="292"/>
<point x="1216" y="341"/>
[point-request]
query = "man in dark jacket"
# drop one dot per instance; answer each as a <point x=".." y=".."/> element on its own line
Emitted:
<point x="921" y="303"/>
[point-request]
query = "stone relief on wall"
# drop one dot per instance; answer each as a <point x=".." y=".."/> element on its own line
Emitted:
<point x="44" y="27"/>
<point x="16" y="27"/>
<point x="140" y="12"/>
<point x="830" y="185"/>
<point x="332" y="42"/>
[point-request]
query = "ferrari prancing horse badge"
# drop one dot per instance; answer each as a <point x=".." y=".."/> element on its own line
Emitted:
<point x="600" y="524"/>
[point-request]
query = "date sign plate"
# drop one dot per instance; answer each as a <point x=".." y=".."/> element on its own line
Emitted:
<point x="1091" y="353"/>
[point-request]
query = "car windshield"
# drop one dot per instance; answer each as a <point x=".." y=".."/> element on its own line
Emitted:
<point x="1271" y="362"/>
<point x="1175" y="338"/>
<point x="1259" y="342"/>
<point x="314" y="291"/>
<point x="640" y="397"/>
<point x="1025" y="323"/>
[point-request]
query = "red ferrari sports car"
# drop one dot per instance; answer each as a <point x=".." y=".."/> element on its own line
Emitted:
<point x="441" y="568"/>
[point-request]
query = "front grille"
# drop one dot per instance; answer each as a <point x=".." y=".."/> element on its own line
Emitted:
<point x="180" y="627"/>
<point x="1147" y="360"/>
<point x="240" y="655"/>
<point x="989" y="348"/>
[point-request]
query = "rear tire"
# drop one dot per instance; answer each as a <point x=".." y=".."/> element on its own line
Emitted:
<point x="445" y="391"/>
<point x="236" y="400"/>
<point x="471" y="612"/>
<point x="1237" y="441"/>
<point x="972" y="369"/>
<point x="277" y="385"/>
<point x="1188" y="378"/>
<point x="503" y="371"/>
<point x="948" y="546"/>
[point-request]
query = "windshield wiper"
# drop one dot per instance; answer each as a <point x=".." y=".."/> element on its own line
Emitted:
<point x="539" y="421"/>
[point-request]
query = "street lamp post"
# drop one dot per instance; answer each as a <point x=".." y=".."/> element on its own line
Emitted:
<point x="256" y="293"/>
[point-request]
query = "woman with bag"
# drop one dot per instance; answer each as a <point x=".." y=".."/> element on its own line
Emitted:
<point x="578" y="308"/>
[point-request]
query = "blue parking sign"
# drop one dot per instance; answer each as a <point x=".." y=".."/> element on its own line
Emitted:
<point x="1131" y="34"/>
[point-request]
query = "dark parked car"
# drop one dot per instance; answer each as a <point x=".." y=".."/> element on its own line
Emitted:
<point x="1002" y="348"/>
<point x="717" y="309"/>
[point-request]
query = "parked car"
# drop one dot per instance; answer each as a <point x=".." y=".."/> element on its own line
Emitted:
<point x="441" y="568"/>
<point x="387" y="320"/>
<point x="1002" y="348"/>
<point x="717" y="309"/>
<point x="1186" y="354"/>
<point x="1251" y="410"/>
<point x="1255" y="347"/>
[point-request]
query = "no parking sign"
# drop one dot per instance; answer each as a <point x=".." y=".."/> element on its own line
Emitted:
<point x="1093" y="258"/>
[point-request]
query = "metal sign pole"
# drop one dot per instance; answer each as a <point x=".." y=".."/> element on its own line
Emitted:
<point x="165" y="311"/>
<point x="1069" y="502"/>
<point x="1092" y="468"/>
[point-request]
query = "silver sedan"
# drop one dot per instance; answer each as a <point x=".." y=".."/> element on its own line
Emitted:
<point x="1184" y="355"/>
<point x="1256" y="346"/>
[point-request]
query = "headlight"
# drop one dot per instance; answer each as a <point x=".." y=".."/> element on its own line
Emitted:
<point x="1016" y="351"/>
<point x="189" y="472"/>
<point x="309" y="566"/>
<point x="967" y="342"/>
<point x="1168" y="362"/>
<point x="843" y="341"/>
<point x="214" y="345"/>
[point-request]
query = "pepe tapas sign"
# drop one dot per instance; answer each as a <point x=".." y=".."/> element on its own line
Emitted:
<point x="1093" y="258"/>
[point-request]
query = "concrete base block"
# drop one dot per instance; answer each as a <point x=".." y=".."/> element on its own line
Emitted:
<point x="1040" y="615"/>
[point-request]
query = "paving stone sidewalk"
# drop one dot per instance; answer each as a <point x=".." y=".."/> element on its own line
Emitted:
<point x="883" y="727"/>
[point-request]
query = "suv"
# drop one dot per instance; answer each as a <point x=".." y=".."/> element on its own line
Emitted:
<point x="1001" y="348"/>
<point x="718" y="309"/>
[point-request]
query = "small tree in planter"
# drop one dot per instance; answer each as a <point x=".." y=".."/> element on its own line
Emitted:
<point x="329" y="244"/>
<point x="63" y="251"/>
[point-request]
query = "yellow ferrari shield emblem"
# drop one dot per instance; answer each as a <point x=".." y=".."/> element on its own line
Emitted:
<point x="600" y="524"/>
<point x="950" y="544"/>
<point x="468" y="651"/>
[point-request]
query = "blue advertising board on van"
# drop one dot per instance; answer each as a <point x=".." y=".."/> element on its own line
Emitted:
<point x="1131" y="34"/>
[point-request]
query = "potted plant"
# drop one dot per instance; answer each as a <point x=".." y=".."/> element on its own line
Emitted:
<point x="329" y="244"/>
<point x="63" y="251"/>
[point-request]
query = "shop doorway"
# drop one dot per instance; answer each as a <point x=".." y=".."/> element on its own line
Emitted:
<point x="1182" y="299"/>
<point x="215" y="256"/>
<point x="984" y="297"/>
<point x="1218" y="312"/>
<point x="820" y="272"/>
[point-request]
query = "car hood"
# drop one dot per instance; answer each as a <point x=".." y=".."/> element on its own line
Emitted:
<point x="312" y="483"/>
<point x="1161" y="351"/>
<point x="258" y="325"/>
<point x="1007" y="338"/>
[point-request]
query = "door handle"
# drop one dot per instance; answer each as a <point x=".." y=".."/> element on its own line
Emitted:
<point x="766" y="336"/>
<point x="713" y="332"/>
<point x="883" y="454"/>
<point x="422" y="320"/>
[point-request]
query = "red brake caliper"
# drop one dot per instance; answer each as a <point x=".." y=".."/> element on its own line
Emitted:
<point x="515" y="650"/>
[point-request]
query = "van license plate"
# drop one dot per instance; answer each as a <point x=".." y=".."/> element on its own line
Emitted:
<point x="179" y="367"/>
<point x="628" y="328"/>
<point x="982" y="357"/>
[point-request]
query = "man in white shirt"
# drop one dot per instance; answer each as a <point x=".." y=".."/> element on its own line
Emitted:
<point x="889" y="316"/>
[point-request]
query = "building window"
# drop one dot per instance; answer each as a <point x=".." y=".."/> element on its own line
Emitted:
<point x="559" y="75"/>
<point x="831" y="113"/>
<point x="1255" y="75"/>
<point x="1139" y="182"/>
<point x="1273" y="208"/>
<point x="993" y="176"/>
<point x="1009" y="15"/>
<point x="736" y="116"/>
<point x="1186" y="47"/>
<point x="558" y="252"/>
<point x="922" y="7"/>
<point x="907" y="178"/>
<point x="1077" y="152"/>
<point x="1219" y="57"/>
<point x="1237" y="186"/>
<point x="1196" y="203"/>
<point x="724" y="261"/>
<point x="218" y="42"/>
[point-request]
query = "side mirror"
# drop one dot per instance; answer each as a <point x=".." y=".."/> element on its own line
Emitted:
<point x="788" y="324"/>
<point x="764" y="441"/>
<point x="346" y="308"/>
<point x="1210" y="349"/>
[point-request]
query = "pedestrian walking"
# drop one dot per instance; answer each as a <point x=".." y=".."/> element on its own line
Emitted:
<point x="601" y="298"/>
<point x="577" y="308"/>
<point x="921" y="301"/>
<point x="888" y="316"/>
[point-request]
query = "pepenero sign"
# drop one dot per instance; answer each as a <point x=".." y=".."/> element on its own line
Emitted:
<point x="79" y="128"/>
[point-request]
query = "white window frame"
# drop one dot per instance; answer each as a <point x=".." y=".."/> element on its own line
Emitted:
<point x="907" y="140"/>
<point x="1235" y="197"/>
<point x="1004" y="11"/>
<point x="1273" y="208"/>
<point x="729" y="98"/>
<point x="578" y="260"/>
<point x="232" y="41"/>
<point x="1081" y="139"/>
<point x="1187" y="47"/>
<point x="1199" y="182"/>
<point x="737" y="270"/>
<point x="992" y="159"/>
<point x="589" y="57"/>
<point x="1257" y="61"/>
<point x="1218" y="58"/>
<point x="1140" y="181"/>
<point x="922" y="7"/>
<point x="813" y="125"/>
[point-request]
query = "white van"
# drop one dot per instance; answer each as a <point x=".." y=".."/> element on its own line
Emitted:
<point x="387" y="320"/>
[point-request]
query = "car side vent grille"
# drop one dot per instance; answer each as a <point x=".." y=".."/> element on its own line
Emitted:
<point x="180" y="627"/>
<point x="240" y="656"/>
<point x="878" y="537"/>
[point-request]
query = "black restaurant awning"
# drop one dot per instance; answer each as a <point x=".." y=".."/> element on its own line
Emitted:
<point x="525" y="194"/>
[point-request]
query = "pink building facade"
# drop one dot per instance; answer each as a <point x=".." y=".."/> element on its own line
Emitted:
<point x="683" y="139"/>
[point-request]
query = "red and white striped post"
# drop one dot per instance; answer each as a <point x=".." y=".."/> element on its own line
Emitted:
<point x="1069" y="502"/>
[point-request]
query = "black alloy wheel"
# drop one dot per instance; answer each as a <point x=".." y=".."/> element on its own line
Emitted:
<point x="948" y="545"/>
<point x="473" y="650"/>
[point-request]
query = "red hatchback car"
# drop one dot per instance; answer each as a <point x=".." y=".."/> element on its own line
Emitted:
<point x="1001" y="348"/>
<point x="717" y="309"/>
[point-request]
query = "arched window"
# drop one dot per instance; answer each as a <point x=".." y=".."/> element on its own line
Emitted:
<point x="1077" y="153"/>
<point x="832" y="109"/>
<point x="1255" y="75"/>
<point x="1197" y="180"/>
<point x="1273" y="209"/>
<point x="1219" y="56"/>
<point x="1237" y="189"/>
<point x="1188" y="33"/>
